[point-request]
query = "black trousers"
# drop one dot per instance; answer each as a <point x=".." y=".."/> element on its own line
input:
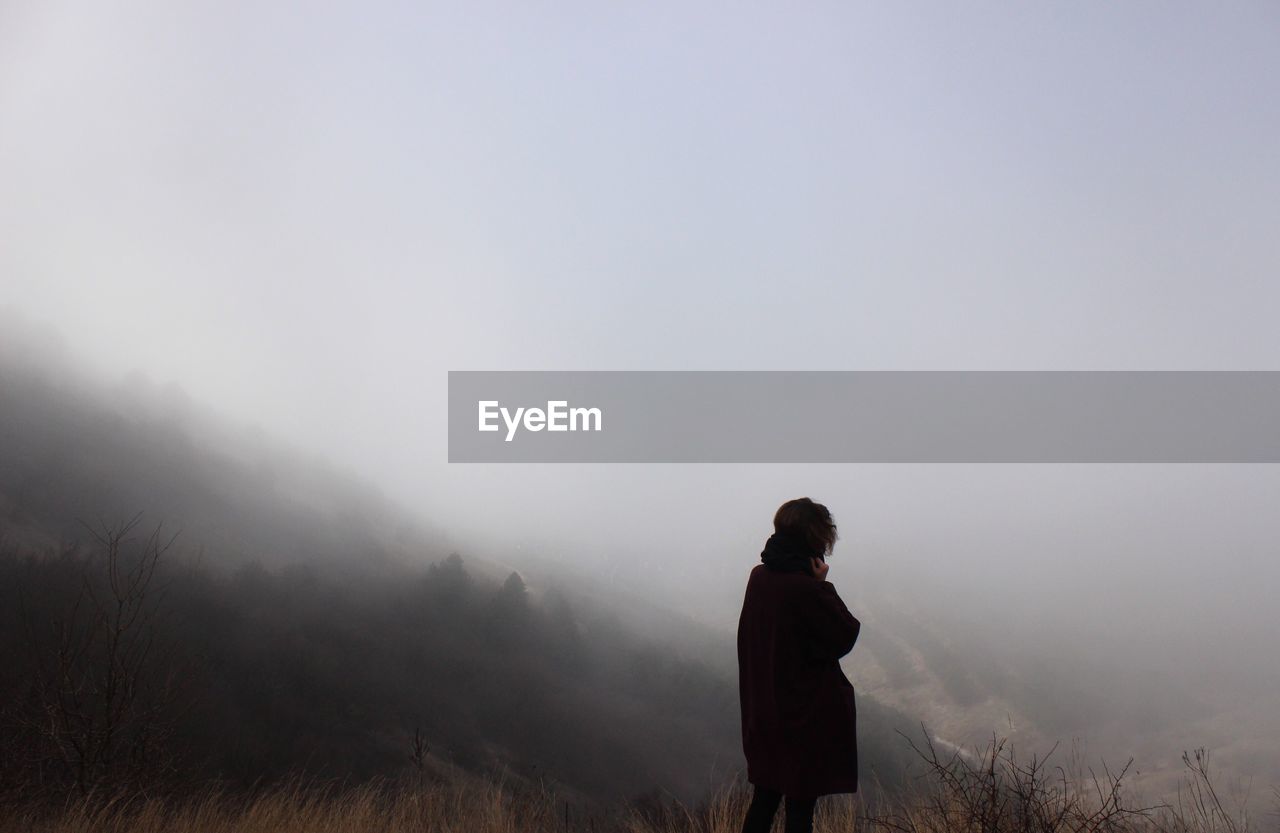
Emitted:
<point x="764" y="804"/>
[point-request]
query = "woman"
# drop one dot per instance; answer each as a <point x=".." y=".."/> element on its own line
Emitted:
<point x="798" y="714"/>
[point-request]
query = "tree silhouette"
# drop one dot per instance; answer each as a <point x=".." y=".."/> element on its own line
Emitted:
<point x="509" y="614"/>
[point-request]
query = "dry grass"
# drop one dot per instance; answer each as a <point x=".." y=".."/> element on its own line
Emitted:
<point x="986" y="791"/>
<point x="472" y="807"/>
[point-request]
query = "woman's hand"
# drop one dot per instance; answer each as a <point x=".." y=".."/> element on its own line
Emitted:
<point x="820" y="568"/>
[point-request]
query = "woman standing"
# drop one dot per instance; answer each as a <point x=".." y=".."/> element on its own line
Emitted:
<point x="798" y="718"/>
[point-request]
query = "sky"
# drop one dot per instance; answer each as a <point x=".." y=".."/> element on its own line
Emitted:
<point x="307" y="214"/>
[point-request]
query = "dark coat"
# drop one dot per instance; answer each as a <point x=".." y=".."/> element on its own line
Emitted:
<point x="798" y="715"/>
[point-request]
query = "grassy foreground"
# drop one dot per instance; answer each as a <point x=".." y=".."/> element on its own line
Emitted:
<point x="983" y="791"/>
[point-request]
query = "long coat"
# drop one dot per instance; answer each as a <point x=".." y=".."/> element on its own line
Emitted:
<point x="798" y="713"/>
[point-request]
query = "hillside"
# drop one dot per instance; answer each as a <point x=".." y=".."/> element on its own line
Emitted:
<point x="308" y="625"/>
<point x="1038" y="686"/>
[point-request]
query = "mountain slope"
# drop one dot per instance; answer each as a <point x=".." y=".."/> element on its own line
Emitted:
<point x="309" y="625"/>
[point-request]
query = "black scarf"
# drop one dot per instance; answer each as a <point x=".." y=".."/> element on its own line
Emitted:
<point x="788" y="554"/>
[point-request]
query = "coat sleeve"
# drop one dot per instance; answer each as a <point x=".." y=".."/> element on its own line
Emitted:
<point x="830" y="623"/>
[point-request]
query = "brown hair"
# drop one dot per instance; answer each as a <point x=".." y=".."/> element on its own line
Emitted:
<point x="810" y="522"/>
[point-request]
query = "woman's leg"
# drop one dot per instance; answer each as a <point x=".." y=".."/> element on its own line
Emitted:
<point x="800" y="814"/>
<point x="764" y="803"/>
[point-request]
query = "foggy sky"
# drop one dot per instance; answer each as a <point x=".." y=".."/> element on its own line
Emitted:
<point x="306" y="215"/>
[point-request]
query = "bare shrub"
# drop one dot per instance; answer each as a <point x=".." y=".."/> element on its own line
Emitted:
<point x="994" y="791"/>
<point x="1201" y="805"/>
<point x="98" y="712"/>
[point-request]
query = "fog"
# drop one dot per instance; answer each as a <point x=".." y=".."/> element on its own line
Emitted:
<point x="305" y="218"/>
